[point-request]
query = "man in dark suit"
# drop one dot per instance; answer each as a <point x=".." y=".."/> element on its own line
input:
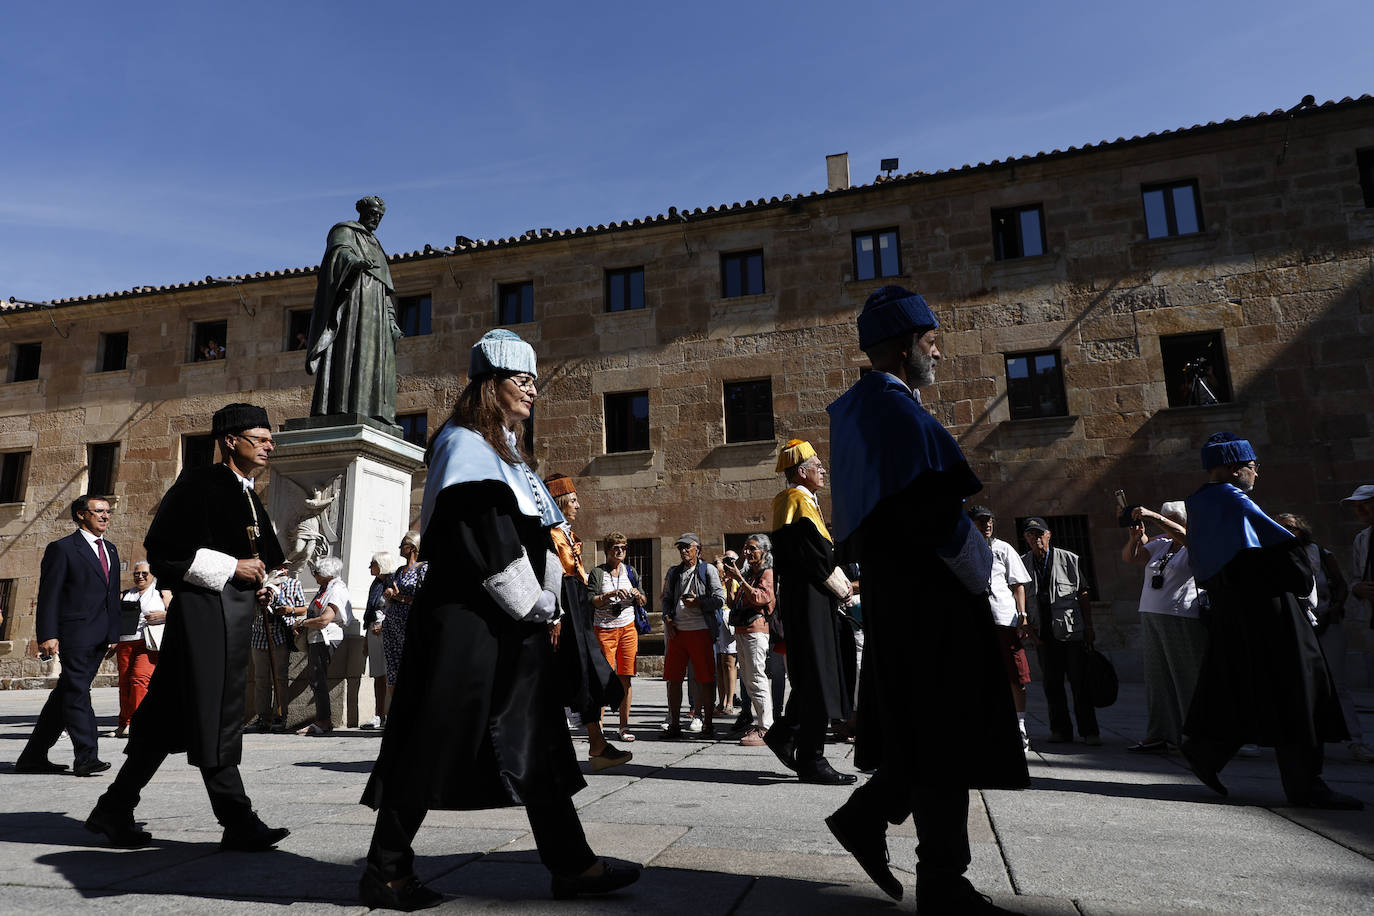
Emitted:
<point x="211" y="543"/>
<point x="78" y="615"/>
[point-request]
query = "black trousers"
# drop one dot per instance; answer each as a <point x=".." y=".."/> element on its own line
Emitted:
<point x="320" y="653"/>
<point x="805" y="720"/>
<point x="223" y="784"/>
<point x="557" y="835"/>
<point x="1060" y="658"/>
<point x="940" y="811"/>
<point x="1300" y="765"/>
<point x="69" y="706"/>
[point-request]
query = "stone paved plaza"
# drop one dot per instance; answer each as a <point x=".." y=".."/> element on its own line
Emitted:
<point x="719" y="827"/>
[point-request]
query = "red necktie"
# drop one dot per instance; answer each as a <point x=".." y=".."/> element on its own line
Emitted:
<point x="104" y="557"/>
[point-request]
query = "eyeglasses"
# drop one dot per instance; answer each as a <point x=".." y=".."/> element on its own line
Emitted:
<point x="524" y="382"/>
<point x="141" y="575"/>
<point x="752" y="549"/>
<point x="259" y="441"/>
<point x="619" y="548"/>
<point x="104" y="512"/>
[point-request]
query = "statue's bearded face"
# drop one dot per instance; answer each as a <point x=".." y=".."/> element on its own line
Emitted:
<point x="371" y="218"/>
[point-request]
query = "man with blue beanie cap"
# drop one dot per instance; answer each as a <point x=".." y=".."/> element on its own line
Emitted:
<point x="935" y="715"/>
<point x="1263" y="679"/>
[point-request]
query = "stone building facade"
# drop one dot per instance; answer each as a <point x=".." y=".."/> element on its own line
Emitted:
<point x="1074" y="289"/>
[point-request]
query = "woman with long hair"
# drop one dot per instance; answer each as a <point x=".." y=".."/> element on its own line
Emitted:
<point x="489" y="612"/>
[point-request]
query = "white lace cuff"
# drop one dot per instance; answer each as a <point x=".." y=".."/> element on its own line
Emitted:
<point x="838" y="583"/>
<point x="553" y="580"/>
<point x="516" y="588"/>
<point x="211" y="569"/>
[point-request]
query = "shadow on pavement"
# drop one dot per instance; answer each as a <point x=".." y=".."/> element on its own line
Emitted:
<point x="696" y="774"/>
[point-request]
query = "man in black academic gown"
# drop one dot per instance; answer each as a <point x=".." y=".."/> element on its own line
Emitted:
<point x="211" y="543"/>
<point x="935" y="716"/>
<point x="820" y="645"/>
<point x="1263" y="679"/>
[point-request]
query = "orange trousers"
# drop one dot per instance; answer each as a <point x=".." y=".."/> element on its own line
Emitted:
<point x="136" y="666"/>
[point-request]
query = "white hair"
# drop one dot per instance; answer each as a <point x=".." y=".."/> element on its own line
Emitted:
<point x="329" y="567"/>
<point x="1175" y="510"/>
<point x="386" y="561"/>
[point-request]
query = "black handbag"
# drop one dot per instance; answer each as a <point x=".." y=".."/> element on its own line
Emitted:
<point x="1102" y="681"/>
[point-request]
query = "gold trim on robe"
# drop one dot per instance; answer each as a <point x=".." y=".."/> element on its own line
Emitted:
<point x="791" y="505"/>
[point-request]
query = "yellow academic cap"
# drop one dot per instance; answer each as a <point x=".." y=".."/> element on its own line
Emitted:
<point x="794" y="453"/>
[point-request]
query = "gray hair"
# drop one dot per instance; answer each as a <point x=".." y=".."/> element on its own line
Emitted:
<point x="766" y="546"/>
<point x="386" y="561"/>
<point x="329" y="567"/>
<point x="1175" y="510"/>
<point x="143" y="563"/>
<point x="412" y="538"/>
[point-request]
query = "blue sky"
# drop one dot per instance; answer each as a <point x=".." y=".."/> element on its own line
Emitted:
<point x="147" y="144"/>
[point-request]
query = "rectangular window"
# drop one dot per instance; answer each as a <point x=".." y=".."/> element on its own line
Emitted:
<point x="7" y="607"/>
<point x="735" y="541"/>
<point x="208" y="340"/>
<point x="297" y="329"/>
<point x="627" y="422"/>
<point x="741" y="274"/>
<point x="1069" y="532"/>
<point x="1195" y="369"/>
<point x="1018" y="232"/>
<point x="1172" y="209"/>
<point x="14" y="467"/>
<point x="414" y="428"/>
<point x="24" y="360"/>
<point x="412" y="314"/>
<point x="749" y="411"/>
<point x="875" y="254"/>
<point x="1364" y="160"/>
<point x="103" y="463"/>
<point x="1035" y="385"/>
<point x="114" y="351"/>
<point x="197" y="451"/>
<point x="639" y="553"/>
<point x="625" y="289"/>
<point x="515" y="303"/>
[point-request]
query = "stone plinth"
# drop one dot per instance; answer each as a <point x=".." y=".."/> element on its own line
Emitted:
<point x="344" y="491"/>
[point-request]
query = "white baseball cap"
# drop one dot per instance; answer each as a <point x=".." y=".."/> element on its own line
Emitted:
<point x="1363" y="492"/>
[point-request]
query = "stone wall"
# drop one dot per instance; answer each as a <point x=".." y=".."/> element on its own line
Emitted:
<point x="1282" y="269"/>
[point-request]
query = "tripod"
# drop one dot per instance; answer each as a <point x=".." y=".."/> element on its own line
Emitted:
<point x="1199" y="395"/>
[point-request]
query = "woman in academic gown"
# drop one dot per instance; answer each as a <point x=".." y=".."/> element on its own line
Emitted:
<point x="477" y="719"/>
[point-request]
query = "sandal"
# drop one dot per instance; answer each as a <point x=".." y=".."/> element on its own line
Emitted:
<point x="626" y="736"/>
<point x="314" y="731"/>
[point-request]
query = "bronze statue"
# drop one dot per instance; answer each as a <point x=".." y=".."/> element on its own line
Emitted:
<point x="353" y="330"/>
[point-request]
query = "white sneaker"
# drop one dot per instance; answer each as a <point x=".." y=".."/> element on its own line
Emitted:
<point x="374" y="722"/>
<point x="1360" y="752"/>
<point x="695" y="726"/>
<point x="1248" y="750"/>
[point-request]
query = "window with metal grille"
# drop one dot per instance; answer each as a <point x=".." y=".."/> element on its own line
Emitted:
<point x="7" y="607"/>
<point x="14" y="468"/>
<point x="414" y="428"/>
<point x="24" y="361"/>
<point x="876" y="254"/>
<point x="103" y="461"/>
<point x="114" y="351"/>
<point x="1018" y="232"/>
<point x="1035" y="385"/>
<point x="627" y="421"/>
<point x="741" y="273"/>
<point x="1069" y="532"/>
<point x="197" y="450"/>
<point x="749" y="411"/>
<point x="1172" y="209"/>
<point x="639" y="553"/>
<point x="412" y="314"/>
<point x="625" y="289"/>
<point x="515" y="303"/>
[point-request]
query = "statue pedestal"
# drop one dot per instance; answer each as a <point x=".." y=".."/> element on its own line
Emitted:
<point x="339" y="490"/>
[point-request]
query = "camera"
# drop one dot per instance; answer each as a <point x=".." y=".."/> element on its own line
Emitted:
<point x="730" y="561"/>
<point x="1123" y="514"/>
<point x="1157" y="580"/>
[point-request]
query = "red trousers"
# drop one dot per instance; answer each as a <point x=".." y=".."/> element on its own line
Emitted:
<point x="136" y="666"/>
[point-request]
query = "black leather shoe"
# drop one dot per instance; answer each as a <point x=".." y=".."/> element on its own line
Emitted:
<point x="613" y="877"/>
<point x="954" y="897"/>
<point x="254" y="836"/>
<point x="780" y="742"/>
<point x="869" y="849"/>
<point x="821" y="773"/>
<point x="89" y="767"/>
<point x="118" y="827"/>
<point x="409" y="897"/>
<point x="39" y="767"/>
<point x="1200" y="770"/>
